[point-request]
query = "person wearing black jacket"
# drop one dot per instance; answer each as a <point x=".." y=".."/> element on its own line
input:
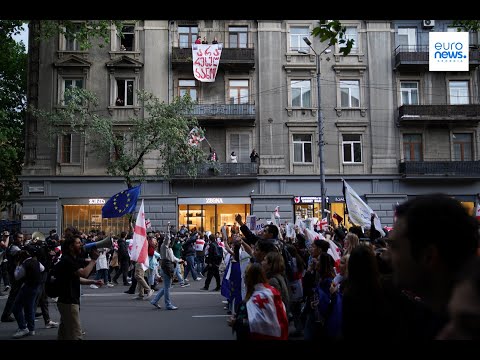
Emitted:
<point x="123" y="259"/>
<point x="213" y="261"/>
<point x="189" y="256"/>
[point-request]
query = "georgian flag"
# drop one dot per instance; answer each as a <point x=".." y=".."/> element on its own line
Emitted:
<point x="139" y="252"/>
<point x="324" y="224"/>
<point x="267" y="316"/>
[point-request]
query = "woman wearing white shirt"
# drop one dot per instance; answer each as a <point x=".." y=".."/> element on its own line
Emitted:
<point x="233" y="157"/>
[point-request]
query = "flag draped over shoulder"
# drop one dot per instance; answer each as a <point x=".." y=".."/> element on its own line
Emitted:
<point x="139" y="252"/>
<point x="267" y="316"/>
<point x="358" y="211"/>
<point x="121" y="203"/>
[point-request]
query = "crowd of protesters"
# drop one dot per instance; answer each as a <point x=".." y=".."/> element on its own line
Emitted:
<point x="416" y="282"/>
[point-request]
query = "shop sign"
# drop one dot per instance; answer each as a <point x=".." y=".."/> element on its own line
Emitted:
<point x="96" y="201"/>
<point x="30" y="217"/>
<point x="213" y="201"/>
<point x="307" y="199"/>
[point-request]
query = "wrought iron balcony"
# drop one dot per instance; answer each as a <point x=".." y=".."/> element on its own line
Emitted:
<point x="231" y="57"/>
<point x="439" y="114"/>
<point x="224" y="111"/>
<point x="416" y="57"/>
<point x="219" y="169"/>
<point x="446" y="169"/>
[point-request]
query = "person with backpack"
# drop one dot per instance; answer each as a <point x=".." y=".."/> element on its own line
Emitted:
<point x="11" y="251"/>
<point x="213" y="260"/>
<point x="28" y="272"/>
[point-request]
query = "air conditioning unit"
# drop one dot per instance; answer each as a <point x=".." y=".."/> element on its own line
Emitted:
<point x="428" y="23"/>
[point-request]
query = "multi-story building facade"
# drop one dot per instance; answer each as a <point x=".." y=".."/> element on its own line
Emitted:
<point x="392" y="129"/>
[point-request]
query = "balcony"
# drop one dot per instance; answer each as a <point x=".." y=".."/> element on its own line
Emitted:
<point x="440" y="169"/>
<point x="231" y="58"/>
<point x="439" y="115"/>
<point x="415" y="57"/>
<point x="225" y="114"/>
<point x="221" y="170"/>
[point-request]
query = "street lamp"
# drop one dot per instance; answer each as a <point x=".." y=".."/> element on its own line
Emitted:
<point x="320" y="127"/>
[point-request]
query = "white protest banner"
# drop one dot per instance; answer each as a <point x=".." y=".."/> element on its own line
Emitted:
<point x="359" y="212"/>
<point x="205" y="61"/>
<point x="260" y="224"/>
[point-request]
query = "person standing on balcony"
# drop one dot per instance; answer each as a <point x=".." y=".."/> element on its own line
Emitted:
<point x="254" y="156"/>
<point x="199" y="40"/>
<point x="215" y="41"/>
<point x="233" y="157"/>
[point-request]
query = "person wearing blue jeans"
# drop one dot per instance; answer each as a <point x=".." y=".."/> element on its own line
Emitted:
<point x="191" y="267"/>
<point x="166" y="254"/>
<point x="179" y="276"/>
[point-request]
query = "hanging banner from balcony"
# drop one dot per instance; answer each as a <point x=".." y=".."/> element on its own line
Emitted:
<point x="205" y="61"/>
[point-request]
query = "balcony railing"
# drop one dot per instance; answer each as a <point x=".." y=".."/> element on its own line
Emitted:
<point x="465" y="114"/>
<point x="248" y="169"/>
<point x="230" y="56"/>
<point x="417" y="56"/>
<point x="448" y="169"/>
<point x="222" y="111"/>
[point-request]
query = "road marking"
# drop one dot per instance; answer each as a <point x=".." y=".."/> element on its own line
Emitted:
<point x="208" y="316"/>
<point x="171" y="292"/>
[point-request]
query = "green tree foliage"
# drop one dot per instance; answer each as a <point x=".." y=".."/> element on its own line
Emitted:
<point x="333" y="32"/>
<point x="84" y="31"/>
<point x="13" y="84"/>
<point x="164" y="131"/>
<point x="467" y="25"/>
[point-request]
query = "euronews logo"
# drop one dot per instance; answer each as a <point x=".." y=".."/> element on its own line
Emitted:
<point x="448" y="51"/>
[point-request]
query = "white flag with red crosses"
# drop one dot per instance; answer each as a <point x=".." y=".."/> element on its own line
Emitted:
<point x="139" y="251"/>
<point x="267" y="316"/>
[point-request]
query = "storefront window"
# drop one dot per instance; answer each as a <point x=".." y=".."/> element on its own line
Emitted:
<point x="89" y="217"/>
<point x="210" y="217"/>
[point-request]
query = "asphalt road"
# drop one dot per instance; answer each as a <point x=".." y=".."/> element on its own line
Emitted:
<point x="110" y="314"/>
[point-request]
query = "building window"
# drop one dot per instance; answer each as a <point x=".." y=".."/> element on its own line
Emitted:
<point x="125" y="88"/>
<point x="350" y="93"/>
<point x="240" y="143"/>
<point x="297" y="33"/>
<point x="352" y="148"/>
<point x="409" y="93"/>
<point x="301" y="93"/>
<point x="71" y="42"/>
<point x="412" y="147"/>
<point x="458" y="91"/>
<point x="462" y="147"/>
<point x="351" y="33"/>
<point x="188" y="87"/>
<point x="238" y="36"/>
<point x="187" y="35"/>
<point x="302" y="148"/>
<point x="407" y="39"/>
<point x="70" y="84"/>
<point x="69" y="149"/>
<point x="238" y="91"/>
<point x="127" y="41"/>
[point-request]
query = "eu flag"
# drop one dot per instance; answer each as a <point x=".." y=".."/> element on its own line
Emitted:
<point x="122" y="203"/>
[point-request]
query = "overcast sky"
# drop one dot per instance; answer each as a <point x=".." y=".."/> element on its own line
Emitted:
<point x="23" y="36"/>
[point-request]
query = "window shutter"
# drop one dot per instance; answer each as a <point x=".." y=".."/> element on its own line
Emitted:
<point x="75" y="149"/>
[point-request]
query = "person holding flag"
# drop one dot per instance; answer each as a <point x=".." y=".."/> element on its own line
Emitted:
<point x="139" y="254"/>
